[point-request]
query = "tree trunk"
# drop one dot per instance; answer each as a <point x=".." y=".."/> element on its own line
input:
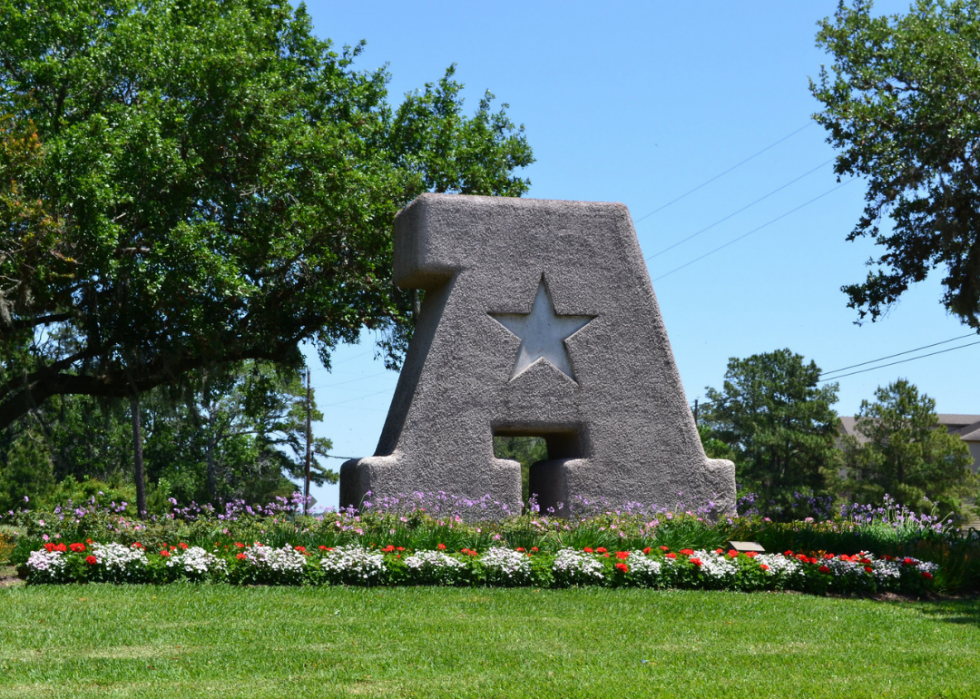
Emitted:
<point x="134" y="406"/>
<point x="212" y="476"/>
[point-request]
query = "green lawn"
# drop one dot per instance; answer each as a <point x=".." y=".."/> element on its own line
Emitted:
<point x="223" y="641"/>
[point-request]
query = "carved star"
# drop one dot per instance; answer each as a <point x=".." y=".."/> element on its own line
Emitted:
<point x="542" y="333"/>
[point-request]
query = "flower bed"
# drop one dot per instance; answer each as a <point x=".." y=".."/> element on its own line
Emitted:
<point x="660" y="567"/>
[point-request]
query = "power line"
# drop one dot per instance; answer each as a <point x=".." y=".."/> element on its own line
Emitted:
<point x="733" y="167"/>
<point x="360" y="378"/>
<point x="754" y="230"/>
<point x="350" y="400"/>
<point x="747" y="206"/>
<point x="903" y="361"/>
<point x="898" y="354"/>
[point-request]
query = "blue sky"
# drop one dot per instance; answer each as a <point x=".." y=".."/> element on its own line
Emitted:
<point x="641" y="102"/>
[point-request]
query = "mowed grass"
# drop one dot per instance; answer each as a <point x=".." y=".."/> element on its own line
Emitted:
<point x="223" y="641"/>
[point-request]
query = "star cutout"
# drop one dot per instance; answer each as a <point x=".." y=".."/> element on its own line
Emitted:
<point x="542" y="333"/>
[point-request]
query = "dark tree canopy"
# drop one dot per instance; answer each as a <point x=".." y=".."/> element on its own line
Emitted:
<point x="778" y="425"/>
<point x="901" y="101"/>
<point x="905" y="453"/>
<point x="190" y="183"/>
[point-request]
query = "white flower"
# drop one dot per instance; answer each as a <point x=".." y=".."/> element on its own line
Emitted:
<point x="574" y="567"/>
<point x="716" y="565"/>
<point x="780" y="565"/>
<point x="46" y="565"/>
<point x="505" y="565"/>
<point x="196" y="561"/>
<point x="284" y="560"/>
<point x="353" y="564"/>
<point x="120" y="561"/>
<point x="643" y="567"/>
<point x="432" y="559"/>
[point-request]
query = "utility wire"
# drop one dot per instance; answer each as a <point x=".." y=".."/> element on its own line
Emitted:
<point x="898" y="354"/>
<point x="360" y="378"/>
<point x="747" y="206"/>
<point x="754" y="230"/>
<point x="350" y="400"/>
<point x="902" y="361"/>
<point x="733" y="167"/>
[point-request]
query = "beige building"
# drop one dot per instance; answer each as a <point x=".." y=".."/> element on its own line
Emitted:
<point x="966" y="426"/>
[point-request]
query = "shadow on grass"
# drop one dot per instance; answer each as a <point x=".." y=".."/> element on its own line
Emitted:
<point x="953" y="611"/>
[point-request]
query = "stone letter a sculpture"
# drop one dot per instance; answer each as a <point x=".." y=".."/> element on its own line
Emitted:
<point x="539" y="319"/>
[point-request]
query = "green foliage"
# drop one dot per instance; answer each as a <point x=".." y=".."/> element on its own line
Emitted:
<point x="526" y="450"/>
<point x="714" y="448"/>
<point x="237" y="433"/>
<point x="778" y="425"/>
<point x="25" y="472"/>
<point x="902" y="103"/>
<point x="218" y="185"/>
<point x="904" y="452"/>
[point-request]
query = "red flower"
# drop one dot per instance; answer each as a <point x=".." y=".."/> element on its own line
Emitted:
<point x="240" y="556"/>
<point x="751" y="554"/>
<point x="927" y="575"/>
<point x="588" y="550"/>
<point x="719" y="550"/>
<point x="519" y="549"/>
<point x="733" y="554"/>
<point x="77" y="547"/>
<point x="787" y="553"/>
<point x="388" y="549"/>
<point x="88" y="541"/>
<point x="136" y="545"/>
<point x="829" y="556"/>
<point x="865" y="562"/>
<point x="400" y="548"/>
<point x="802" y="557"/>
<point x="241" y="545"/>
<point x="622" y="568"/>
<point x="868" y="569"/>
<point x="622" y="555"/>
<point x="665" y="548"/>
<point x="687" y="552"/>
<point x="322" y="547"/>
<point x="465" y="552"/>
<point x="165" y="552"/>
<point x="908" y="562"/>
<point x="606" y="555"/>
<point x="671" y="555"/>
<point x="182" y="545"/>
<point x="534" y="549"/>
<point x="91" y="560"/>
<point x="601" y="549"/>
<point x="824" y="569"/>
<point x="442" y="547"/>
<point x="50" y="547"/>
<point x="61" y="547"/>
<point x="763" y="566"/>
<point x="696" y="561"/>
<point x="301" y="549"/>
<point x="646" y="551"/>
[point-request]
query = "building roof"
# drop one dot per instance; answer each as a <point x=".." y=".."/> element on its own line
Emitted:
<point x="966" y="426"/>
